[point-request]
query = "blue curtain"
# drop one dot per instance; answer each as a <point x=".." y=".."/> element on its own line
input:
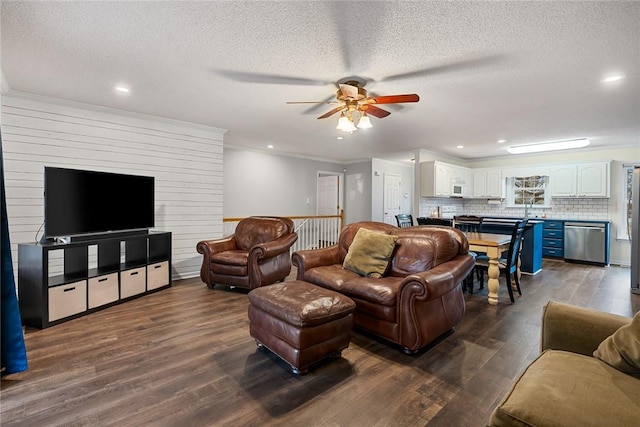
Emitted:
<point x="14" y="353"/>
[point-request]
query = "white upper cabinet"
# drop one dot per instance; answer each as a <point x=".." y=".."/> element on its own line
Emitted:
<point x="563" y="181"/>
<point x="582" y="180"/>
<point x="438" y="179"/>
<point x="488" y="183"/>
<point x="593" y="180"/>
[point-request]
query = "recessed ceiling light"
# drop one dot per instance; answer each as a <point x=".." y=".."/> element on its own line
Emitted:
<point x="460" y="146"/>
<point x="270" y="146"/>
<point x="548" y="146"/>
<point x="122" y="89"/>
<point x="612" y="78"/>
<point x="339" y="138"/>
<point x="502" y="141"/>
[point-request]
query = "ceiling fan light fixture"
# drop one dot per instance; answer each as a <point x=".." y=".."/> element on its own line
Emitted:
<point x="549" y="146"/>
<point x="345" y="124"/>
<point x="364" y="122"/>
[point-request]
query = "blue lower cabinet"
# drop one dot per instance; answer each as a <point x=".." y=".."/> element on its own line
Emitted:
<point x="552" y="252"/>
<point x="553" y="239"/>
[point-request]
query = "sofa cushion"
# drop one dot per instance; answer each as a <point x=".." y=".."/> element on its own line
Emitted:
<point x="382" y="291"/>
<point x="414" y="254"/>
<point x="622" y="349"/>
<point x="329" y="276"/>
<point x="568" y="389"/>
<point x="369" y="253"/>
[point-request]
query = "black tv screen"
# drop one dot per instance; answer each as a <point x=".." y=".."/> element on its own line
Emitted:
<point x="83" y="202"/>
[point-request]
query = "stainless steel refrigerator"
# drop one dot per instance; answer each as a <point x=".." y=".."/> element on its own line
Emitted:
<point x="635" y="231"/>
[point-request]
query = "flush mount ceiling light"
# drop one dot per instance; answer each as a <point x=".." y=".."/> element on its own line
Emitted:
<point x="121" y="89"/>
<point x="612" y="78"/>
<point x="549" y="146"/>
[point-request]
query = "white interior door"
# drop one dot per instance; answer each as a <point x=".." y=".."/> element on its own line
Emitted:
<point x="329" y="202"/>
<point x="328" y="195"/>
<point x="392" y="187"/>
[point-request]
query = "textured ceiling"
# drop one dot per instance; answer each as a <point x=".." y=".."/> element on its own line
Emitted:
<point x="520" y="71"/>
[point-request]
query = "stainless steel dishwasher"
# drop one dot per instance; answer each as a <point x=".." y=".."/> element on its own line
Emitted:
<point x="587" y="242"/>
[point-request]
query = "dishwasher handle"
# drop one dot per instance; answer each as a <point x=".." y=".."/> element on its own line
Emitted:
<point x="584" y="226"/>
<point x="572" y="227"/>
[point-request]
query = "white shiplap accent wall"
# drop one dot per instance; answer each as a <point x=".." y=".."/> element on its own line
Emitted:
<point x="185" y="159"/>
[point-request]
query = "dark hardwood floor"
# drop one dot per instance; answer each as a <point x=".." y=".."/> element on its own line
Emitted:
<point x="184" y="357"/>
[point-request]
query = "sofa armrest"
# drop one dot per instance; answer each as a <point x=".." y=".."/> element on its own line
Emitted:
<point x="307" y="259"/>
<point x="441" y="279"/>
<point x="273" y="248"/>
<point x="208" y="247"/>
<point x="576" y="329"/>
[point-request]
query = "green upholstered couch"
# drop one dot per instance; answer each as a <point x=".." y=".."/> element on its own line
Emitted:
<point x="566" y="385"/>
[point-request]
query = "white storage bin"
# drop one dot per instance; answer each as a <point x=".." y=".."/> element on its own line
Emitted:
<point x="67" y="300"/>
<point x="157" y="275"/>
<point x="133" y="282"/>
<point x="103" y="290"/>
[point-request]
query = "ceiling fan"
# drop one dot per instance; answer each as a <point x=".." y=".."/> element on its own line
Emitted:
<point x="355" y="106"/>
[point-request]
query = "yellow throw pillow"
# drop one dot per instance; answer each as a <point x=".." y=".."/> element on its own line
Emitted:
<point x="622" y="349"/>
<point x="369" y="253"/>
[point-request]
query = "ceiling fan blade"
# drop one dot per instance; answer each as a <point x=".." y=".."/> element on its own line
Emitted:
<point x="393" y="99"/>
<point x="332" y="112"/>
<point x="244" y="76"/>
<point x="314" y="109"/>
<point x="349" y="91"/>
<point x="313" y="102"/>
<point x="375" y="111"/>
<point x="453" y="66"/>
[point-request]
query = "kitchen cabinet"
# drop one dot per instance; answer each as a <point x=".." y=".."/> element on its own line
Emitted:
<point x="553" y="239"/>
<point x="488" y="183"/>
<point x="438" y="178"/>
<point x="580" y="180"/>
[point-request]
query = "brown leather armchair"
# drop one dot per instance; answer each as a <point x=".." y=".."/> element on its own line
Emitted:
<point x="257" y="254"/>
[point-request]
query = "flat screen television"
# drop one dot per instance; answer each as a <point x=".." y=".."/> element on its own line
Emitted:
<point x="80" y="202"/>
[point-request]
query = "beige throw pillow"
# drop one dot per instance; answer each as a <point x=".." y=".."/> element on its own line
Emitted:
<point x="369" y="253"/>
<point x="622" y="349"/>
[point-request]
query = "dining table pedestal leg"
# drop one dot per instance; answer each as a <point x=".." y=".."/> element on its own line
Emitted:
<point x="493" y="283"/>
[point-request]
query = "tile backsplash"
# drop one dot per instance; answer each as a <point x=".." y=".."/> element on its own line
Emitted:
<point x="561" y="208"/>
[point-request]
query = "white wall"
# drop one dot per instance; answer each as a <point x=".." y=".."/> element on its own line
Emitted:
<point x="185" y="159"/>
<point x="260" y="183"/>
<point x="379" y="168"/>
<point x="358" y="192"/>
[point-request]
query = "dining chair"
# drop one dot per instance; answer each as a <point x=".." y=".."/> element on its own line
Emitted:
<point x="434" y="221"/>
<point x="469" y="223"/>
<point x="404" y="220"/>
<point x="508" y="264"/>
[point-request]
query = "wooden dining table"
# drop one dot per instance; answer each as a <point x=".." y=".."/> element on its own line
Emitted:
<point x="493" y="245"/>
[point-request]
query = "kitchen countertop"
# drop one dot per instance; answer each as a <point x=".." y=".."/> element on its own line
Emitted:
<point x="535" y="220"/>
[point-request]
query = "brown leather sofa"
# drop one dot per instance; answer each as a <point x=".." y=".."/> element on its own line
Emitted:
<point x="257" y="254"/>
<point x="419" y="297"/>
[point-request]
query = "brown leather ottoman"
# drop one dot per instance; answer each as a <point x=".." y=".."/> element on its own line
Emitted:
<point x="300" y="322"/>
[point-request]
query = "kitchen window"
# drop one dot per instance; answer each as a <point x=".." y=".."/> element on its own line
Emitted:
<point x="528" y="191"/>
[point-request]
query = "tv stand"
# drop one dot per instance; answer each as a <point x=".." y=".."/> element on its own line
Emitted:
<point x="58" y="282"/>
